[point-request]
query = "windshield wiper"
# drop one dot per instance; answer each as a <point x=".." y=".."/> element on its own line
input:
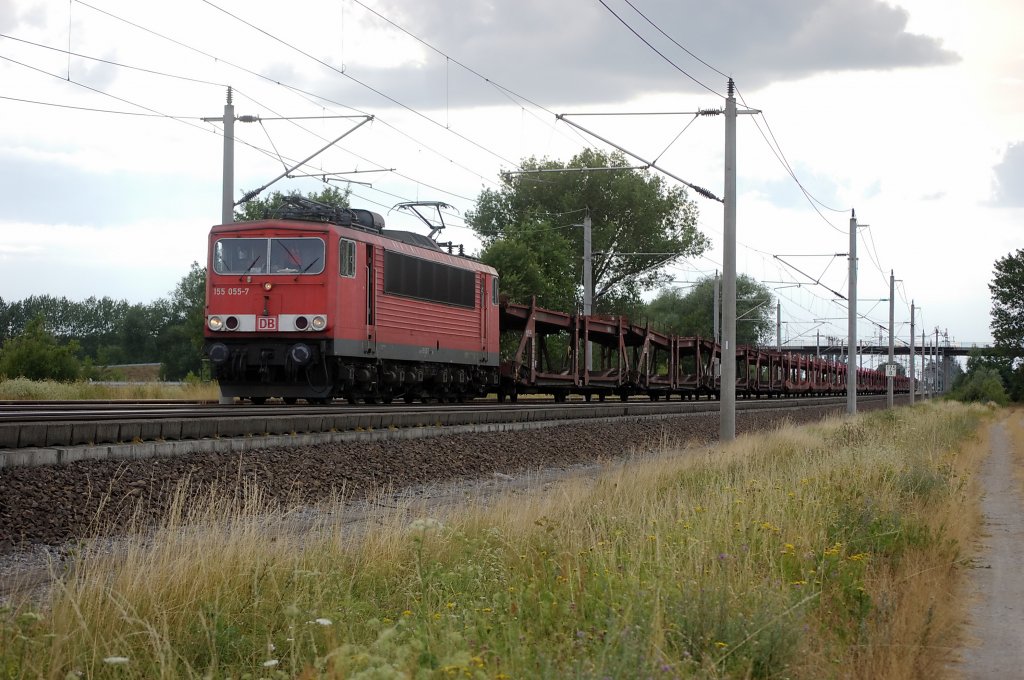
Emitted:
<point x="253" y="264"/>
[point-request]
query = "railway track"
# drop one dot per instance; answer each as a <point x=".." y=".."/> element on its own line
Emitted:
<point x="57" y="433"/>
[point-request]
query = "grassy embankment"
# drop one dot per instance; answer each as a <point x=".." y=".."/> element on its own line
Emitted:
<point x="825" y="551"/>
<point x="22" y="389"/>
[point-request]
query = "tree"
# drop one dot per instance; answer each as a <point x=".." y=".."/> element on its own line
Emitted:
<point x="983" y="384"/>
<point x="181" y="340"/>
<point x="1010" y="372"/>
<point x="693" y="313"/>
<point x="1007" y="289"/>
<point x="529" y="228"/>
<point x="35" y="354"/>
<point x="262" y="208"/>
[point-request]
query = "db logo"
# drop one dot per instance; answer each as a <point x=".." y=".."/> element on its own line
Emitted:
<point x="266" y="323"/>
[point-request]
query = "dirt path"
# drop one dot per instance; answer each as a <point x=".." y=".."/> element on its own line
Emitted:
<point x="995" y="631"/>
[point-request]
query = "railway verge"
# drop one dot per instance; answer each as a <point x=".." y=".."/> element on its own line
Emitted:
<point x="803" y="552"/>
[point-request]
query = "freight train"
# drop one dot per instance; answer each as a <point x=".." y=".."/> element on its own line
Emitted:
<point x="320" y="302"/>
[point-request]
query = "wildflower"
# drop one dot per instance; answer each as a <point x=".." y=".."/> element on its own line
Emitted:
<point x="858" y="557"/>
<point x="425" y="524"/>
<point x="270" y="663"/>
<point x="116" y="660"/>
<point x="407" y="612"/>
<point x="322" y="622"/>
<point x="451" y="605"/>
<point x="721" y="645"/>
<point x="798" y="583"/>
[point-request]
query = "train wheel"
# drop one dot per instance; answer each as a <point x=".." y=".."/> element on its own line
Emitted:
<point x="258" y="401"/>
<point x="600" y="398"/>
<point x="319" y="401"/>
<point x="514" y="397"/>
<point x="290" y="400"/>
<point x="587" y="397"/>
<point x="408" y="397"/>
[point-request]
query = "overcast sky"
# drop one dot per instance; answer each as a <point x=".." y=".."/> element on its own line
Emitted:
<point x="911" y="112"/>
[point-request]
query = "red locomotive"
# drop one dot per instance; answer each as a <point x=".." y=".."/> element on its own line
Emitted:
<point x="325" y="302"/>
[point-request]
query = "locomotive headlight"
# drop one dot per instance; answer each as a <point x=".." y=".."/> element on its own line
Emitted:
<point x="215" y="323"/>
<point x="319" y="322"/>
<point x="267" y="286"/>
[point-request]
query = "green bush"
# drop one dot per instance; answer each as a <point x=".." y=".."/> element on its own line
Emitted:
<point x="36" y="355"/>
<point x="982" y="385"/>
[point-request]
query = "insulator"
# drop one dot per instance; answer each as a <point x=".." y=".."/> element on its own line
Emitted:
<point x="709" y="112"/>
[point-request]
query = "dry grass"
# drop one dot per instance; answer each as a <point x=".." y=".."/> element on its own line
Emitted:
<point x="22" y="389"/>
<point x="825" y="551"/>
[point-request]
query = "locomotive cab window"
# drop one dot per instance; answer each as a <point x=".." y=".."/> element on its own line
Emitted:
<point x="240" y="256"/>
<point x="494" y="290"/>
<point x="296" y="256"/>
<point x="273" y="255"/>
<point x="347" y="259"/>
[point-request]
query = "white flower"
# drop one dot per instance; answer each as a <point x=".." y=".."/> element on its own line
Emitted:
<point x="270" y="663"/>
<point x="425" y="523"/>
<point x="116" y="660"/>
<point x="322" y="622"/>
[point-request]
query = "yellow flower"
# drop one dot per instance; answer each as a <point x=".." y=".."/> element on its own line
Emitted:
<point x="721" y="645"/>
<point x="407" y="612"/>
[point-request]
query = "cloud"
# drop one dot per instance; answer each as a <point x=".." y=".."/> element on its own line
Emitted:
<point x="10" y="17"/>
<point x="551" y="51"/>
<point x="42" y="190"/>
<point x="95" y="74"/>
<point x="1009" y="177"/>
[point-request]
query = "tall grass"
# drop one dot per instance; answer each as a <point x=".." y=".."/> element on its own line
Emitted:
<point x="23" y="389"/>
<point x="822" y="551"/>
